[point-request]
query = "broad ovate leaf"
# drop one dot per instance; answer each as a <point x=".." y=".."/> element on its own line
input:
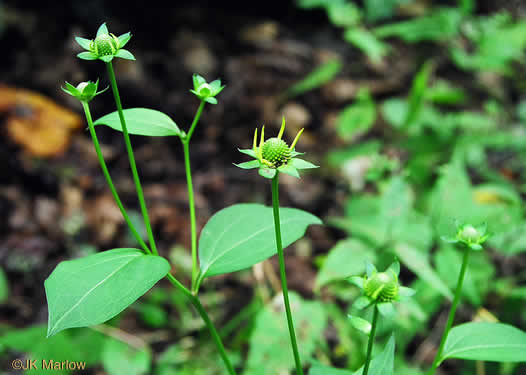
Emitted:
<point x="483" y="341"/>
<point x="93" y="289"/>
<point x="142" y="121"/>
<point x="242" y="235"/>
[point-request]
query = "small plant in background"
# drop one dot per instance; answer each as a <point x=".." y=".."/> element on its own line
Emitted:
<point x="380" y="290"/>
<point x="468" y="237"/>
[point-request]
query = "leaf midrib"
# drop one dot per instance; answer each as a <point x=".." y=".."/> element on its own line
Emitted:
<point x="242" y="241"/>
<point x="90" y="291"/>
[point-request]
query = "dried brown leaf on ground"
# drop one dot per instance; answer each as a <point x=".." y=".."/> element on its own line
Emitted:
<point x="42" y="127"/>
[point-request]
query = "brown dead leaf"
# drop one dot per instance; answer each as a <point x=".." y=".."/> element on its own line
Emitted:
<point x="38" y="124"/>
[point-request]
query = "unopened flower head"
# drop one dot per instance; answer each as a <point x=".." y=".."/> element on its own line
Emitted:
<point x="275" y="154"/>
<point x="206" y="91"/>
<point x="84" y="91"/>
<point x="381" y="288"/>
<point x="105" y="46"/>
<point x="469" y="235"/>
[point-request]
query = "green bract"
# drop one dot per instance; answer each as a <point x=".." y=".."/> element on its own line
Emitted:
<point x="380" y="288"/>
<point x="469" y="235"/>
<point x="85" y="91"/>
<point x="206" y="91"/>
<point x="105" y="46"/>
<point x="275" y="155"/>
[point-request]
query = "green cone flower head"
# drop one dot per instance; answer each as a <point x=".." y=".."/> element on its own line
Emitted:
<point x="274" y="154"/>
<point x="206" y="91"/>
<point x="469" y="235"/>
<point x="276" y="151"/>
<point x="380" y="288"/>
<point x="105" y="46"/>
<point x="85" y="91"/>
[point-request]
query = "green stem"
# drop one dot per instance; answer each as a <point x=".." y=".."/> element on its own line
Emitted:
<point x="194" y="122"/>
<point x="371" y="342"/>
<point x="277" y="226"/>
<point x="106" y="173"/>
<point x="131" y="157"/>
<point x="451" y="317"/>
<point x="191" y="203"/>
<point x="210" y="325"/>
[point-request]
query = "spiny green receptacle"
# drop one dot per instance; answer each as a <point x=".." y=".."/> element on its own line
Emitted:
<point x="382" y="287"/>
<point x="105" y="44"/>
<point x="276" y="151"/>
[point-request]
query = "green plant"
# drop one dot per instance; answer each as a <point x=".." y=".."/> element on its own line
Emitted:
<point x="380" y="290"/>
<point x="273" y="156"/>
<point x="100" y="286"/>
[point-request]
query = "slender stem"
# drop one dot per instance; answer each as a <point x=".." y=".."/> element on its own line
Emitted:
<point x="451" y="317"/>
<point x="210" y="325"/>
<point x="371" y="342"/>
<point x="106" y="173"/>
<point x="277" y="226"/>
<point x="194" y="122"/>
<point x="131" y="157"/>
<point x="191" y="203"/>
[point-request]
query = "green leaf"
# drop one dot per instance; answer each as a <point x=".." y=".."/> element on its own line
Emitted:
<point x="290" y="170"/>
<point x="442" y="24"/>
<point x="363" y="39"/>
<point x="383" y="363"/>
<point x="319" y="369"/>
<point x="316" y="78"/>
<point x="418" y="263"/>
<point x="86" y="55"/>
<point x="249" y="164"/>
<point x="142" y="121"/>
<point x="360" y="324"/>
<point x="83" y="42"/>
<point x="376" y="10"/>
<point x="356" y="119"/>
<point x="247" y="151"/>
<point x="242" y="235"/>
<point x="362" y="302"/>
<point x="344" y="14"/>
<point x="482" y="341"/>
<point x="79" y="346"/>
<point x="302" y="164"/>
<point x="124" y="39"/>
<point x="91" y="290"/>
<point x="270" y="341"/>
<point x="418" y="94"/>
<point x="267" y="172"/>
<point x="125" y="54"/>
<point x="106" y="58"/>
<point x="386" y="309"/>
<point x="345" y="259"/>
<point x="103" y="29"/>
<point x="119" y="358"/>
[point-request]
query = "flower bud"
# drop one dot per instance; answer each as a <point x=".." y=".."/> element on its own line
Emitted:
<point x="469" y="233"/>
<point x="85" y="91"/>
<point x="276" y="151"/>
<point x="382" y="287"/>
<point x="106" y="44"/>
